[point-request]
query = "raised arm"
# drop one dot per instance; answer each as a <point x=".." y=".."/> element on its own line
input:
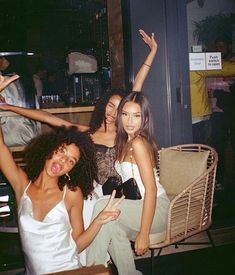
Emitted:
<point x="14" y="174"/>
<point x="39" y="115"/>
<point x="144" y="69"/>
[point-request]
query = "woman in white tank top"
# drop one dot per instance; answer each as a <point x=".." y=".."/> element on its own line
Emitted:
<point x="136" y="158"/>
<point x="59" y="173"/>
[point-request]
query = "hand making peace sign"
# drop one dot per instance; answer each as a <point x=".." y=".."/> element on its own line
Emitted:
<point x="110" y="212"/>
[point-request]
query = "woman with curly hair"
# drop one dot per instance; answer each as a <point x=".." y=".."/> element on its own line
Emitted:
<point x="102" y="128"/>
<point x="59" y="173"/>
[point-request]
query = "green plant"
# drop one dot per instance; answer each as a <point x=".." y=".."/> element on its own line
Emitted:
<point x="214" y="26"/>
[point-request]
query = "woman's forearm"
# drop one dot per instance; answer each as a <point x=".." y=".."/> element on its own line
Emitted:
<point x="37" y="114"/>
<point x="87" y="236"/>
<point x="143" y="72"/>
<point x="108" y="214"/>
<point x="148" y="211"/>
<point x="145" y="68"/>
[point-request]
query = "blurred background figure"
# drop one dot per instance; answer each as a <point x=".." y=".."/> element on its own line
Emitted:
<point x="39" y="78"/>
<point x="218" y="88"/>
<point x="18" y="130"/>
<point x="51" y="84"/>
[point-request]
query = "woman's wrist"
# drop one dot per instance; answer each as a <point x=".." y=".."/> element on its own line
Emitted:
<point x="147" y="65"/>
<point x="144" y="232"/>
<point x="97" y="221"/>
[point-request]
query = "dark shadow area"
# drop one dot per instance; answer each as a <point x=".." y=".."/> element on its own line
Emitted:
<point x="10" y="253"/>
<point x="224" y="208"/>
<point x="208" y="261"/>
<point x="223" y="214"/>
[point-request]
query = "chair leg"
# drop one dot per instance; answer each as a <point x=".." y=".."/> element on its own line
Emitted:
<point x="152" y="259"/>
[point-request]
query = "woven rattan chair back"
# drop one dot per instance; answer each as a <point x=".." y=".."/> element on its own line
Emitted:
<point x="190" y="211"/>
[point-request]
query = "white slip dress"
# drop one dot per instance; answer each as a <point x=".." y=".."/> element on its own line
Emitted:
<point x="48" y="245"/>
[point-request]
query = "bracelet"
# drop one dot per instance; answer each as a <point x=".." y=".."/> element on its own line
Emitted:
<point x="147" y="65"/>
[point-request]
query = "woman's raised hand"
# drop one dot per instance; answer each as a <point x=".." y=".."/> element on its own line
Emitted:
<point x="4" y="82"/>
<point x="110" y="212"/>
<point x="149" y="40"/>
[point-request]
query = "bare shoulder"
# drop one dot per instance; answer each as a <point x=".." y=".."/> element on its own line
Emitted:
<point x="141" y="149"/>
<point x="74" y="197"/>
<point x="139" y="142"/>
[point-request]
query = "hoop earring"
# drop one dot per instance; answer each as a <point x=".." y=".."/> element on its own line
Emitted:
<point x="67" y="177"/>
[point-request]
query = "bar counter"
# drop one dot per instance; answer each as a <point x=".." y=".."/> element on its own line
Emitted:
<point x="74" y="114"/>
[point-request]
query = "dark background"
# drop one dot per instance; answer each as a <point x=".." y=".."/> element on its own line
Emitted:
<point x="53" y="28"/>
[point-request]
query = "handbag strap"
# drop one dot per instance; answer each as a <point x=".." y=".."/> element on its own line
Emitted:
<point x="131" y="157"/>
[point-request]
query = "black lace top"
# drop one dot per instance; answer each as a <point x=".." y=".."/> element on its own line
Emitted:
<point x="105" y="158"/>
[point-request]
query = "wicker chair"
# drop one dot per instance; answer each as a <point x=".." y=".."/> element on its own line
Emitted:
<point x="190" y="211"/>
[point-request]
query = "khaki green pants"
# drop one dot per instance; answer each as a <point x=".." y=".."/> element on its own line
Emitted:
<point x="115" y="236"/>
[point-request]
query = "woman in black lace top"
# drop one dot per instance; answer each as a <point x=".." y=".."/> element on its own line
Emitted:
<point x="102" y="126"/>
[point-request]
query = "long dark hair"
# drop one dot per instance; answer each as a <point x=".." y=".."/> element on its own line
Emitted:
<point x="42" y="148"/>
<point x="146" y="128"/>
<point x="98" y="116"/>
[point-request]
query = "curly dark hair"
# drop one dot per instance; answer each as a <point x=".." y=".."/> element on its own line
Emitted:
<point x="42" y="148"/>
<point x="98" y="115"/>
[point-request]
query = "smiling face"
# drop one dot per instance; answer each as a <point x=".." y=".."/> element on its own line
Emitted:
<point x="131" y="118"/>
<point x="111" y="109"/>
<point x="63" y="160"/>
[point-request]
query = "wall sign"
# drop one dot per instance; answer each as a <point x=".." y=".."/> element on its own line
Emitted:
<point x="197" y="61"/>
<point x="213" y="61"/>
<point x="205" y="61"/>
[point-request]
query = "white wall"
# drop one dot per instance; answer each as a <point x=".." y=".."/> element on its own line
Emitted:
<point x="211" y="7"/>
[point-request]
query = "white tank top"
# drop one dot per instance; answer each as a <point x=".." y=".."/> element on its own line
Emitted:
<point x="48" y="245"/>
<point x="124" y="169"/>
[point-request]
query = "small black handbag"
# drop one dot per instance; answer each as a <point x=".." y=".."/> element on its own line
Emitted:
<point x="128" y="188"/>
<point x="131" y="190"/>
<point x="111" y="184"/>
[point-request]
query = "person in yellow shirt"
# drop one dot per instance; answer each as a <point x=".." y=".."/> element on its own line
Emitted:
<point x="200" y="107"/>
<point x="204" y="119"/>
